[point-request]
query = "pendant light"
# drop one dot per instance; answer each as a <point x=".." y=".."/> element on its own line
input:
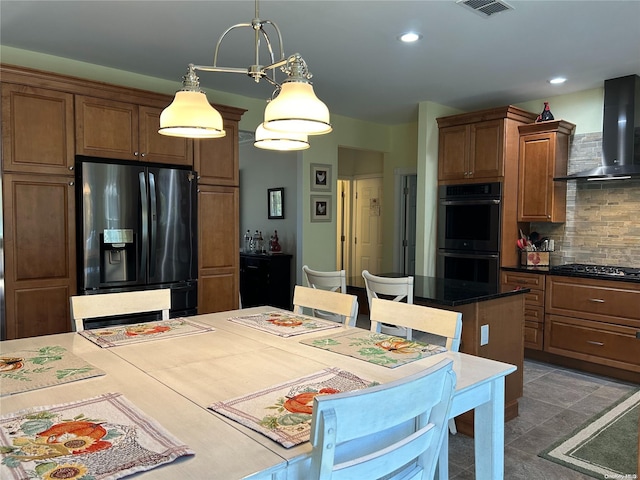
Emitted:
<point x="190" y="114"/>
<point x="283" y="141"/>
<point x="295" y="111"/>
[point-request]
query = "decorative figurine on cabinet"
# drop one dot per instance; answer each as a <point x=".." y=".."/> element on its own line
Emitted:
<point x="546" y="114"/>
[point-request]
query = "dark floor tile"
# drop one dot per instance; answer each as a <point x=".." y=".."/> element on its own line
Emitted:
<point x="532" y="370"/>
<point x="521" y="465"/>
<point x="468" y="474"/>
<point x="461" y="451"/>
<point x="548" y="432"/>
<point x="555" y="393"/>
<point x="536" y="411"/>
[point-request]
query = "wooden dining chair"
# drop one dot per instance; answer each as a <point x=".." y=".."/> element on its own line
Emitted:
<point x="342" y="305"/>
<point x="383" y="430"/>
<point x="100" y="305"/>
<point x="436" y="321"/>
<point x="334" y="281"/>
<point x="397" y="289"/>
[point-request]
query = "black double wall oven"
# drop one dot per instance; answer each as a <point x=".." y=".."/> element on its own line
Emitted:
<point x="469" y="232"/>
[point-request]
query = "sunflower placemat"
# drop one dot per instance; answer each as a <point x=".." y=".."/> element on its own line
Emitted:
<point x="377" y="348"/>
<point x="283" y="412"/>
<point x="284" y="324"/>
<point x="100" y="437"/>
<point x="144" y="332"/>
<point x="26" y="370"/>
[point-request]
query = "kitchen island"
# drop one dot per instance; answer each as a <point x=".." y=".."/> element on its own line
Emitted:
<point x="486" y="312"/>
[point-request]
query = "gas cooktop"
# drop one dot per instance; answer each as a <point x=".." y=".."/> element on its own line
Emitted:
<point x="597" y="270"/>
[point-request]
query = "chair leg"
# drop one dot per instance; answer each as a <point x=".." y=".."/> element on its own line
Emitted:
<point x="452" y="426"/>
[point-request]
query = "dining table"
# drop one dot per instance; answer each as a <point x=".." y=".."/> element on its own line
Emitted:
<point x="175" y="381"/>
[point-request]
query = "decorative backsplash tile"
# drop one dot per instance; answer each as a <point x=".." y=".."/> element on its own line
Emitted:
<point x="603" y="218"/>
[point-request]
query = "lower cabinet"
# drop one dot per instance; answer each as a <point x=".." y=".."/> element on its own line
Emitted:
<point x="597" y="321"/>
<point x="218" y="233"/>
<point x="39" y="252"/>
<point x="265" y="280"/>
<point x="533" y="304"/>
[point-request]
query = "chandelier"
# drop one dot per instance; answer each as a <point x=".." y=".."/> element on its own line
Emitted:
<point x="292" y="113"/>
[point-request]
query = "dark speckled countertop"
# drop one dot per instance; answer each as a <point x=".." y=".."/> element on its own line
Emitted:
<point x="550" y="271"/>
<point x="444" y="291"/>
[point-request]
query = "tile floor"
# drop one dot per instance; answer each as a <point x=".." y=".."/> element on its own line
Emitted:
<point x="556" y="401"/>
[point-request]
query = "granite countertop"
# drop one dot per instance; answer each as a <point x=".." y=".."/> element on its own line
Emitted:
<point x="549" y="271"/>
<point x="444" y="291"/>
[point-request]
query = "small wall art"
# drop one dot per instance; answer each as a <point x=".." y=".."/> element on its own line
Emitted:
<point x="275" y="197"/>
<point x="320" y="177"/>
<point x="320" y="208"/>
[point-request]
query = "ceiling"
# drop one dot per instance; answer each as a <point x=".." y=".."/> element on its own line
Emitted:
<point x="360" y="69"/>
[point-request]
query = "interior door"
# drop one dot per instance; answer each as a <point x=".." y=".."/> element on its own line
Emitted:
<point x="367" y="209"/>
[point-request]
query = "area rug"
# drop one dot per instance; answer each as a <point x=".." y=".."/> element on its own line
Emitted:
<point x="606" y="446"/>
<point x="144" y="332"/>
<point x="284" y="324"/>
<point x="96" y="438"/>
<point x="283" y="412"/>
<point x="377" y="348"/>
<point x="26" y="370"/>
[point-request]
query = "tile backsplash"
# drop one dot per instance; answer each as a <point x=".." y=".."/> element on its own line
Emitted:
<point x="603" y="218"/>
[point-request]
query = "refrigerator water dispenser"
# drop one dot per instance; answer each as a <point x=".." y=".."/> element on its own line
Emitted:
<point x="117" y="256"/>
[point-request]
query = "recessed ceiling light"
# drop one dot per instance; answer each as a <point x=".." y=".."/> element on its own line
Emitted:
<point x="409" y="37"/>
<point x="557" y="80"/>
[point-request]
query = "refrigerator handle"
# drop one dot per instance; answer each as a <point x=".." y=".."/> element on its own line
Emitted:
<point x="145" y="223"/>
<point x="154" y="224"/>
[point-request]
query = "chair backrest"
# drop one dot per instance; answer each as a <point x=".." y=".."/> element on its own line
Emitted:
<point x="341" y="304"/>
<point x="445" y="323"/>
<point x="122" y="303"/>
<point x="373" y="432"/>
<point x="396" y="289"/>
<point x="333" y="281"/>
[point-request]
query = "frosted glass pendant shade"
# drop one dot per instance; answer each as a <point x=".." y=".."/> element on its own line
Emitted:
<point x="282" y="141"/>
<point x="190" y="115"/>
<point x="297" y="109"/>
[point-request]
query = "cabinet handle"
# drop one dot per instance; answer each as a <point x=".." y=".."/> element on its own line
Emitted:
<point x="142" y="154"/>
<point x="600" y="344"/>
<point x="71" y="184"/>
<point x="71" y="167"/>
<point x="596" y="300"/>
<point x="135" y="154"/>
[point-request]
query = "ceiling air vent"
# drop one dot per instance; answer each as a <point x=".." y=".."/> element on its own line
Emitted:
<point x="485" y="8"/>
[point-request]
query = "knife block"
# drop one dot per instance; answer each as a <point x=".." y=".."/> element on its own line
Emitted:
<point x="534" y="259"/>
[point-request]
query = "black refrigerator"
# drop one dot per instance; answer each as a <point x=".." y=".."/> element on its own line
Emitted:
<point x="136" y="230"/>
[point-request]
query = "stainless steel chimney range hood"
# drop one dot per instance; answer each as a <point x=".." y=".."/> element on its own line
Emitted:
<point x="620" y="133"/>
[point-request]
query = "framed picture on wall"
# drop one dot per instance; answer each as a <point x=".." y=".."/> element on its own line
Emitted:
<point x="320" y="208"/>
<point x="320" y="177"/>
<point x="275" y="197"/>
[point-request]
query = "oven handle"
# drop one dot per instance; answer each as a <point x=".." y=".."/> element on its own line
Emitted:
<point x="470" y="202"/>
<point x="469" y="255"/>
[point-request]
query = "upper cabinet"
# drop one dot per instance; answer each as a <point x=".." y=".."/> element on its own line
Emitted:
<point x="37" y="130"/>
<point x="544" y="153"/>
<point x="216" y="159"/>
<point x="473" y="146"/>
<point x="126" y="131"/>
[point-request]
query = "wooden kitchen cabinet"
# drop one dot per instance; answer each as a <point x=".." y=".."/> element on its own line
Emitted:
<point x="266" y="280"/>
<point x="544" y="153"/>
<point x="126" y="131"/>
<point x="533" y="304"/>
<point x="593" y="320"/>
<point x="216" y="159"/>
<point x="37" y="130"/>
<point x="474" y="146"/>
<point x="39" y="252"/>
<point x="218" y="248"/>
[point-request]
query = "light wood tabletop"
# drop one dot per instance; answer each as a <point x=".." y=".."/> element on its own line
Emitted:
<point x="176" y="379"/>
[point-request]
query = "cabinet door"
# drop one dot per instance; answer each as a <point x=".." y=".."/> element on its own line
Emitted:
<point x="453" y="152"/>
<point x="39" y="254"/>
<point x="105" y="128"/>
<point x="161" y="148"/>
<point x="37" y="130"/>
<point x="540" y="198"/>
<point x="218" y="247"/>
<point x="486" y="149"/>
<point x="216" y="159"/>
